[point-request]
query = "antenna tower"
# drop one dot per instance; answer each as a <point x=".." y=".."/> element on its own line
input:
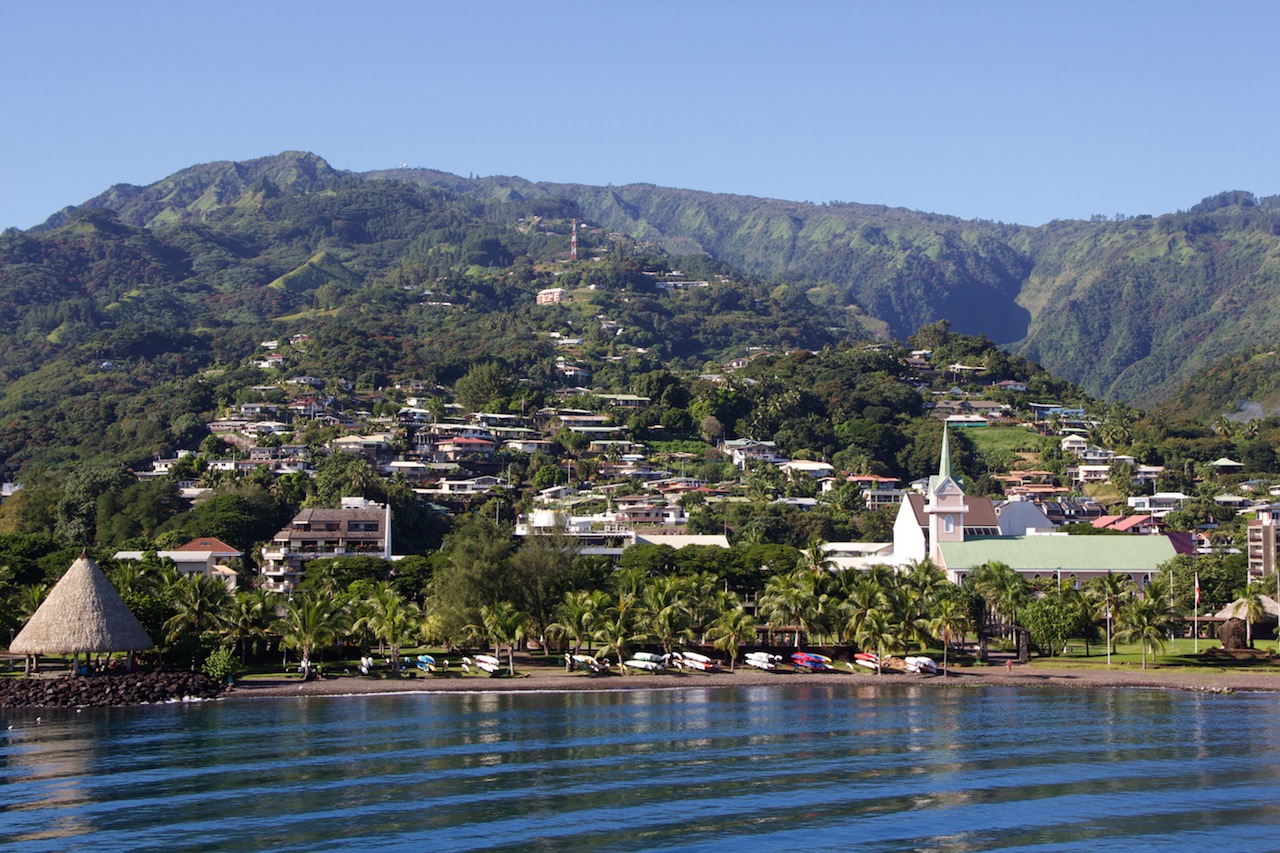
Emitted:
<point x="573" y="242"/>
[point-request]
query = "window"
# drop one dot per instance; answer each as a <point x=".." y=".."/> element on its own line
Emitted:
<point x="948" y="524"/>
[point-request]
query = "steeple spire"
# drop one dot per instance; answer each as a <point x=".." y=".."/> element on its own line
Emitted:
<point x="944" y="460"/>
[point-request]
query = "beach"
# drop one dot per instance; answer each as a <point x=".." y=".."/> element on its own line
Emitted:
<point x="544" y="678"/>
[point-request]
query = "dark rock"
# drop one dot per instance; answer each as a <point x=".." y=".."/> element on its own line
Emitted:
<point x="106" y="689"/>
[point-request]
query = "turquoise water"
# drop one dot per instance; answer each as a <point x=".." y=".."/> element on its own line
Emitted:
<point x="767" y="768"/>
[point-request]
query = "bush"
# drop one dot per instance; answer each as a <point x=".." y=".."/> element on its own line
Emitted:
<point x="221" y="664"/>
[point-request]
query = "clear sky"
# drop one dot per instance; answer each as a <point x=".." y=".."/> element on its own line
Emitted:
<point x="1013" y="111"/>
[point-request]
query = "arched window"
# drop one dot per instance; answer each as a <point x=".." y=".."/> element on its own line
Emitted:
<point x="948" y="524"/>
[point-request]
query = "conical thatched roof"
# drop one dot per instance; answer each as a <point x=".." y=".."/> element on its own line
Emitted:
<point x="82" y="613"/>
<point x="1238" y="609"/>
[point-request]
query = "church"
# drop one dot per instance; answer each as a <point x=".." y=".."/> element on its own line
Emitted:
<point x="961" y="533"/>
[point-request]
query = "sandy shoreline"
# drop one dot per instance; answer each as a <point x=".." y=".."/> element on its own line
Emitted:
<point x="546" y="679"/>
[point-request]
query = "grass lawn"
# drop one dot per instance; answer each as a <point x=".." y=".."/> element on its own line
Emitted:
<point x="1181" y="652"/>
<point x="1016" y="440"/>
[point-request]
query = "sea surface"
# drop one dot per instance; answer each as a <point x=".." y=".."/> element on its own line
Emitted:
<point x="820" y="767"/>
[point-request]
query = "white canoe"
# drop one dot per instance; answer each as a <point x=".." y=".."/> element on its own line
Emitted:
<point x="700" y="658"/>
<point x="764" y="656"/>
<point x="649" y="656"/>
<point x="641" y="663"/>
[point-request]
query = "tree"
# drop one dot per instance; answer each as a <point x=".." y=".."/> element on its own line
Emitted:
<point x="617" y="626"/>
<point x="878" y="631"/>
<point x="309" y="623"/>
<point x="1111" y="592"/>
<point x="485" y="386"/>
<point x="504" y="623"/>
<point x="1146" y="620"/>
<point x="1050" y="622"/>
<point x="246" y="619"/>
<point x="199" y="601"/>
<point x="949" y="624"/>
<point x="791" y="600"/>
<point x="540" y="572"/>
<point x="667" y="605"/>
<point x="392" y="620"/>
<point x="731" y="628"/>
<point x="577" y="615"/>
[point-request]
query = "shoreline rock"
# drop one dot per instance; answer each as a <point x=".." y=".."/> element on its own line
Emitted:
<point x="106" y="689"/>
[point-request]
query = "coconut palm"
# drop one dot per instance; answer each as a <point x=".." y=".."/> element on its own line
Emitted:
<point x="246" y="619"/>
<point x="1111" y="592"/>
<point x="504" y="623"/>
<point x="309" y="623"/>
<point x="925" y="578"/>
<point x="949" y="624"/>
<point x="670" y="616"/>
<point x="617" y="626"/>
<point x="199" y="602"/>
<point x="866" y="595"/>
<point x="576" y="616"/>
<point x="27" y="599"/>
<point x="878" y="631"/>
<point x="1004" y="590"/>
<point x="731" y="628"/>
<point x="392" y="620"/>
<point x="1254" y="610"/>
<point x="1146" y="620"/>
<point x="792" y="599"/>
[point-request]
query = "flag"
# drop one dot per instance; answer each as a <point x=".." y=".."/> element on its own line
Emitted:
<point x="1197" y="589"/>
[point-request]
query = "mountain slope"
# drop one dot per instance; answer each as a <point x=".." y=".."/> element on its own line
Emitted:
<point x="1129" y="309"/>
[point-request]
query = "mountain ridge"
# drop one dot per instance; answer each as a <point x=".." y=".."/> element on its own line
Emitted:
<point x="1128" y="308"/>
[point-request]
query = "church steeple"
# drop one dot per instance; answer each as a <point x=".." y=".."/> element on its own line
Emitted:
<point x="945" y="505"/>
<point x="944" y="461"/>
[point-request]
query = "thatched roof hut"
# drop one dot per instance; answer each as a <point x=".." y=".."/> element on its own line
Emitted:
<point x="1239" y="609"/>
<point x="82" y="613"/>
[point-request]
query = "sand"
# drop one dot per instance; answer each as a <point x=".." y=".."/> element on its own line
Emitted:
<point x="543" y="678"/>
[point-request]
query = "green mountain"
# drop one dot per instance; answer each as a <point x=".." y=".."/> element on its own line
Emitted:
<point x="129" y="321"/>
<point x="1129" y="309"/>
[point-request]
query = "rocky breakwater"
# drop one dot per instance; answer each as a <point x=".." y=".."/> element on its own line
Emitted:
<point x="136" y="688"/>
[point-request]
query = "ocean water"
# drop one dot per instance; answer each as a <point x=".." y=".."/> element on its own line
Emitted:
<point x="822" y="767"/>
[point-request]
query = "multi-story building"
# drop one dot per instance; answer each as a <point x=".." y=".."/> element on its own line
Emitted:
<point x="357" y="528"/>
<point x="1261" y="538"/>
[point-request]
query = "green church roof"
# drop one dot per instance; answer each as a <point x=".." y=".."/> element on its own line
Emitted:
<point x="1068" y="553"/>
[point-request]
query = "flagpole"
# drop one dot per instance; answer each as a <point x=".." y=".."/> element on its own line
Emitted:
<point x="1196" y="616"/>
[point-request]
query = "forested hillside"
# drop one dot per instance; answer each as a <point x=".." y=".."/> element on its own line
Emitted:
<point x="1128" y="307"/>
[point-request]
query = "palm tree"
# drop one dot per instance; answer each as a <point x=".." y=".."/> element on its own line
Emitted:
<point x="1146" y="620"/>
<point x="1111" y="592"/>
<point x="246" y="619"/>
<point x="504" y="623"/>
<point x="392" y="620"/>
<point x="879" y="632"/>
<point x="1254" y="611"/>
<point x="616" y="627"/>
<point x="867" y="594"/>
<point x="307" y="624"/>
<point x="791" y="599"/>
<point x="730" y="629"/>
<point x="576" y="616"/>
<point x="949" y="624"/>
<point x="817" y="559"/>
<point x="28" y="598"/>
<point x="200" y="601"/>
<point x="671" y="618"/>
<point x="1004" y="590"/>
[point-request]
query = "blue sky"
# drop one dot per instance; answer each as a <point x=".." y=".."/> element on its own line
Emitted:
<point x="1020" y="112"/>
